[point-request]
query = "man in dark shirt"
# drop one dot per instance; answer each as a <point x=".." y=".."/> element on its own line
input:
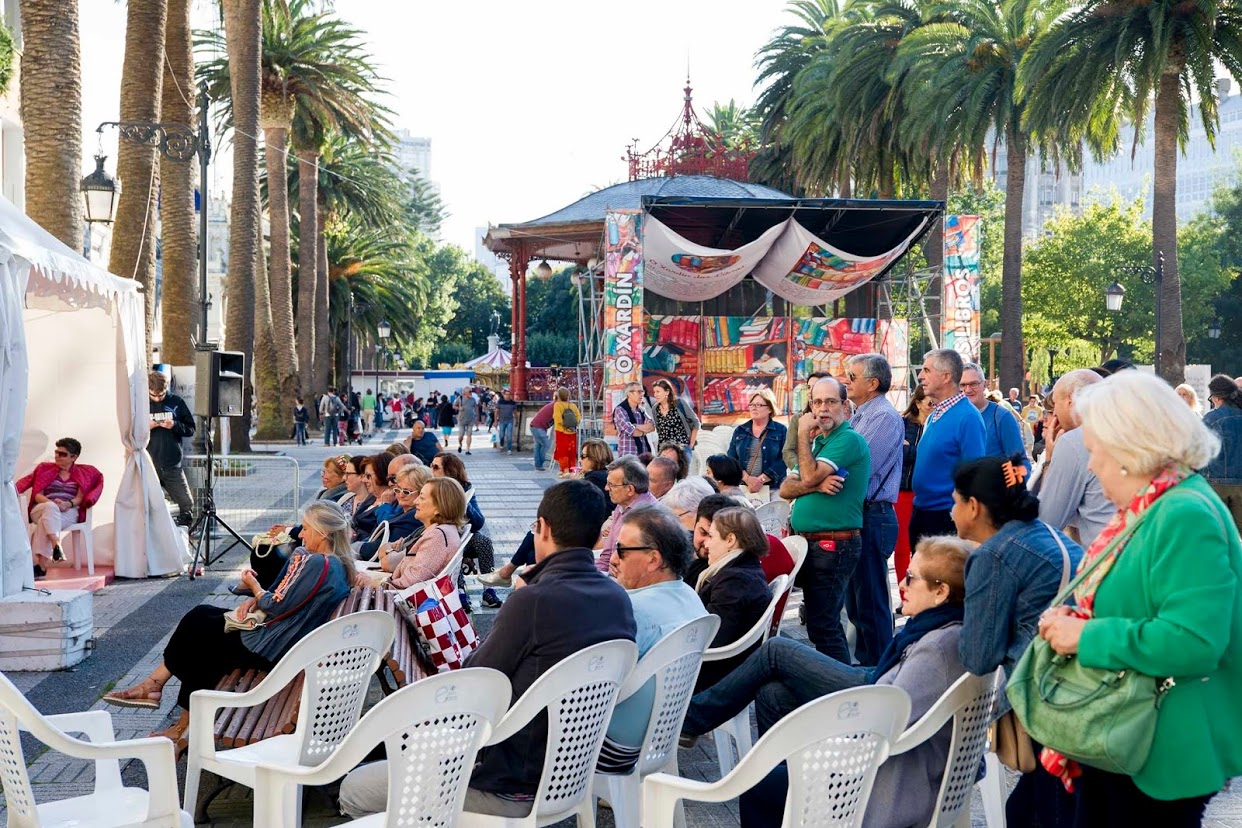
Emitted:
<point x="564" y="607"/>
<point x="423" y="444"/>
<point x="171" y="421"/>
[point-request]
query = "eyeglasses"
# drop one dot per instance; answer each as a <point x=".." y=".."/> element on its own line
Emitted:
<point x="611" y="485"/>
<point x="970" y="385"/>
<point x="534" y="526"/>
<point x="585" y="457"/>
<point x="406" y="492"/>
<point x="622" y="550"/>
<point x="369" y="476"/>
<point x="434" y="467"/>
<point x="392" y="478"/>
<point x="831" y="402"/>
<point x="911" y="577"/>
<point x="61" y="453"/>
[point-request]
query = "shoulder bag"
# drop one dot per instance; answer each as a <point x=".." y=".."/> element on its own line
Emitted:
<point x="1010" y="740"/>
<point x="1102" y="718"/>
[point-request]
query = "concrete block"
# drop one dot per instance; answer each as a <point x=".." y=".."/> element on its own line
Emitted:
<point x="45" y="631"/>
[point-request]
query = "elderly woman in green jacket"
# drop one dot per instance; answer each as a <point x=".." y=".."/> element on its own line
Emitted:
<point x="1168" y="605"/>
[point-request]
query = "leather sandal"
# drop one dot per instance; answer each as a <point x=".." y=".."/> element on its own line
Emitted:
<point x="137" y="696"/>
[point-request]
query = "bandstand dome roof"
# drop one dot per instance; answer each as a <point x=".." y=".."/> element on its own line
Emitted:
<point x="628" y="196"/>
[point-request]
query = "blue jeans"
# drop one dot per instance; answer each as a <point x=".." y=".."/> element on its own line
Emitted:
<point x="504" y="435"/>
<point x="779" y="677"/>
<point x="542" y="445"/>
<point x="329" y="431"/>
<point x="825" y="578"/>
<point x="868" y="602"/>
<point x="299" y="433"/>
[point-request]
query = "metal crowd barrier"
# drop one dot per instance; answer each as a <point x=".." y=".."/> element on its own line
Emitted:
<point x="252" y="491"/>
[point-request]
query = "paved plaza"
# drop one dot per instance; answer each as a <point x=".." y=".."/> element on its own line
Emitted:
<point x="133" y="620"/>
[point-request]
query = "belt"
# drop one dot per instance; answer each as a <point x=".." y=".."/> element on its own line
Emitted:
<point x="867" y="504"/>
<point x="840" y="534"/>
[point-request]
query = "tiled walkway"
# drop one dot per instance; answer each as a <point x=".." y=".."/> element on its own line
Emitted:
<point x="134" y="618"/>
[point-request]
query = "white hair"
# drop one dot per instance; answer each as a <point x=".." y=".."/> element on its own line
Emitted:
<point x="686" y="494"/>
<point x="1194" y="395"/>
<point x="1143" y="424"/>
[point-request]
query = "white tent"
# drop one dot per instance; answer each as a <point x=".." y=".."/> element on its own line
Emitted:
<point x="72" y="353"/>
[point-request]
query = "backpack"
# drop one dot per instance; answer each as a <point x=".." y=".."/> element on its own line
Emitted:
<point x="569" y="419"/>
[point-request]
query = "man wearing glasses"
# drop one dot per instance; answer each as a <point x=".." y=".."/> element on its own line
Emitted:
<point x="627" y="487"/>
<point x="954" y="432"/>
<point x="828" y="487"/>
<point x="171" y="422"/>
<point x="1002" y="433"/>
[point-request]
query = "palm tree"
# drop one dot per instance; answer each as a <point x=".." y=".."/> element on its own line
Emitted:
<point x="178" y="235"/>
<point x="51" y="104"/>
<point x="734" y="127"/>
<point x="1110" y="59"/>
<point x="137" y="165"/>
<point x="966" y="57"/>
<point x="242" y="25"/>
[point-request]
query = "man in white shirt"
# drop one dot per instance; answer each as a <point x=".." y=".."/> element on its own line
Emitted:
<point x="1070" y="496"/>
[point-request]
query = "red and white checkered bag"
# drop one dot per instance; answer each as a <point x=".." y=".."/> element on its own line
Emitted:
<point x="435" y="612"/>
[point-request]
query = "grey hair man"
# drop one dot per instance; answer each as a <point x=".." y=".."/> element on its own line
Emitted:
<point x="1002" y="432"/>
<point x="953" y="432"/>
<point x="868" y="378"/>
<point x="627" y="488"/>
<point x="661" y="475"/>
<point x="1070" y="495"/>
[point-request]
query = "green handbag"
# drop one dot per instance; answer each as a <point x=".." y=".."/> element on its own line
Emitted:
<point x="1102" y="718"/>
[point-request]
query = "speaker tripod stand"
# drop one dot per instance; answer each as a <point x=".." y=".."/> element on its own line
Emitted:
<point x="207" y="521"/>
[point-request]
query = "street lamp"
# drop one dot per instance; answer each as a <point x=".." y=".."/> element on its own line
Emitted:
<point x="99" y="193"/>
<point x="1214" y="329"/>
<point x="177" y="142"/>
<point x="384" y="330"/>
<point x="543" y="270"/>
<point x="1115" y="293"/>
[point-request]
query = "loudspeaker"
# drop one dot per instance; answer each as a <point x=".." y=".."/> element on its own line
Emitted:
<point x="218" y="383"/>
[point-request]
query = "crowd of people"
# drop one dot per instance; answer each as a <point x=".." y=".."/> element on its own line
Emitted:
<point x="996" y="501"/>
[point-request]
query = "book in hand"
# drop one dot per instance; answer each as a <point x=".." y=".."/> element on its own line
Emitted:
<point x="251" y="620"/>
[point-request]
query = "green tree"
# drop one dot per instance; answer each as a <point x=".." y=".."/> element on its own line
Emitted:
<point x="1114" y="59"/>
<point x="735" y="127"/>
<point x="478" y="296"/>
<point x="450" y="353"/>
<point x="546" y="348"/>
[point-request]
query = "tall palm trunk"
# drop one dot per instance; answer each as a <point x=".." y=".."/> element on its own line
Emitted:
<point x="1171" y="339"/>
<point x="308" y="274"/>
<point x="133" y="235"/>
<point x="51" y="92"/>
<point x="323" y="334"/>
<point x="275" y="150"/>
<point x="270" y="401"/>
<point x="179" y="236"/>
<point x="1012" y="343"/>
<point x="242" y="30"/>
<point x="933" y="248"/>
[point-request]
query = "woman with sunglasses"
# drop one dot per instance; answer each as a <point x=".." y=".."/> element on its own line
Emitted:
<point x="60" y="493"/>
<point x="594" y="458"/>
<point x="404" y="523"/>
<point x="440" y="506"/>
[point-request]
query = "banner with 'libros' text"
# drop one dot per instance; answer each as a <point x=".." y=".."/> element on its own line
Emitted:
<point x="959" y="315"/>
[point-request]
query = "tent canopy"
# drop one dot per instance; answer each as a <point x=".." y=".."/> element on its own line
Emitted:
<point x="499" y="358"/>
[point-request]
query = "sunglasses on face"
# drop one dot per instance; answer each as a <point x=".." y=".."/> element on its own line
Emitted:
<point x="392" y="478"/>
<point x="61" y="453"/>
<point x="622" y="550"/>
<point x="911" y="577"/>
<point x="405" y="492"/>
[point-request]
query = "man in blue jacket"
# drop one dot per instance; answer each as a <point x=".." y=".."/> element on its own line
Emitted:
<point x="564" y="607"/>
<point x="954" y="432"/>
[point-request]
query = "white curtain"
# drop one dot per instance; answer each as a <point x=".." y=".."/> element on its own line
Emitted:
<point x="147" y="542"/>
<point x="15" y="564"/>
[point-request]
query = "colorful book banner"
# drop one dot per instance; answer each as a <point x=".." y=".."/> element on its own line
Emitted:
<point x="623" y="304"/>
<point x="959" y="327"/>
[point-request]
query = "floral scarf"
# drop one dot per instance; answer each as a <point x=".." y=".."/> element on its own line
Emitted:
<point x="1084" y="594"/>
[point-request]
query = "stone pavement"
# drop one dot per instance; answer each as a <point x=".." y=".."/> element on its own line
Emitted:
<point x="133" y="620"/>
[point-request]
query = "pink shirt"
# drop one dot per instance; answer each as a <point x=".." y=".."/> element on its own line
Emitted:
<point x="431" y="553"/>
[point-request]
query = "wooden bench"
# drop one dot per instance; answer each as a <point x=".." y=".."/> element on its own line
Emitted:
<point x="237" y="727"/>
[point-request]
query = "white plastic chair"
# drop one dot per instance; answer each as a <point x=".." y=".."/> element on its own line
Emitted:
<point x="833" y="747"/>
<point x="77" y="539"/>
<point x="111" y="804"/>
<point x="673" y="664"/>
<point x="796" y="546"/>
<point x="578" y="695"/>
<point x="432" y="731"/>
<point x="970" y="703"/>
<point x="737" y="729"/>
<point x="379" y="533"/>
<point x="774" y="517"/>
<point x="339" y="659"/>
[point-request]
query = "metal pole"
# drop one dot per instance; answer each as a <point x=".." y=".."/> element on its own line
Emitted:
<point x="204" y="156"/>
<point x="1158" y="273"/>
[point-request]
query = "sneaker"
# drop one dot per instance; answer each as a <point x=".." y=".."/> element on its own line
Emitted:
<point x="686" y="741"/>
<point x="459" y="449"/>
<point x="467" y="451"/>
<point x="465" y="600"/>
<point x="495" y="579"/>
<point x="491" y="600"/>
<point x="58" y="554"/>
<point x="510" y="451"/>
<point x="39" y="572"/>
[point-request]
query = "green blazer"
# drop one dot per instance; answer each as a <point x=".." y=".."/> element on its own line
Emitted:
<point x="1172" y="606"/>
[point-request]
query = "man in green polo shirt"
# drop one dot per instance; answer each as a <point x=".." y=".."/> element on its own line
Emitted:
<point x="368" y="412"/>
<point x="828" y="488"/>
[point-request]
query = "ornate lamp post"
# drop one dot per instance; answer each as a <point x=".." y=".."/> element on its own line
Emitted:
<point x="99" y="194"/>
<point x="384" y="330"/>
<point x="178" y="142"/>
<point x="1115" y="294"/>
<point x="1214" y="329"/>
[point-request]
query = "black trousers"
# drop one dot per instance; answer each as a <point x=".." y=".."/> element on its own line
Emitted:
<point x="200" y="652"/>
<point x="1110" y="800"/>
<point x="172" y="480"/>
<point x="924" y="523"/>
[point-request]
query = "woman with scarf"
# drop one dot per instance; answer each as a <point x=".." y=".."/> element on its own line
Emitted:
<point x="921" y="659"/>
<point x="1165" y="600"/>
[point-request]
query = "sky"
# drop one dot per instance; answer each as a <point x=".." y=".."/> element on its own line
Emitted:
<point x="529" y="106"/>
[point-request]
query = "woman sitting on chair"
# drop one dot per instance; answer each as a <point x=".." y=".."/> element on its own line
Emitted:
<point x="441" y="507"/>
<point x="450" y="465"/>
<point x="359" y="498"/>
<point x="404" y="528"/>
<point x="332" y="476"/>
<point x="60" y="494"/>
<point x="315" y="579"/>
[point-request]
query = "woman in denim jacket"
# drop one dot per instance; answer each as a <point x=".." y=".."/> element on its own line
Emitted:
<point x="765" y="467"/>
<point x="1224" y="473"/>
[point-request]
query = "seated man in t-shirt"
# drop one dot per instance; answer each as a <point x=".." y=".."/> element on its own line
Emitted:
<point x="423" y="444"/>
<point x="565" y="607"/>
<point x="60" y="494"/>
